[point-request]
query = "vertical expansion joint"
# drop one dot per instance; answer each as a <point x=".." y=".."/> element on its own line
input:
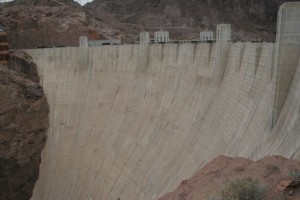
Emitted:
<point x="223" y="43"/>
<point x="84" y="55"/>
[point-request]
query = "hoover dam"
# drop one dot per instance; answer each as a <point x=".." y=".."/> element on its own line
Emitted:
<point x="130" y="122"/>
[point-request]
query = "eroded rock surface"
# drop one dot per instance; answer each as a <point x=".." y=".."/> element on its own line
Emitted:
<point x="23" y="126"/>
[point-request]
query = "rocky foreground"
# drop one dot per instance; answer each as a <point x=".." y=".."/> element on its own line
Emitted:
<point x="277" y="175"/>
<point x="23" y="127"/>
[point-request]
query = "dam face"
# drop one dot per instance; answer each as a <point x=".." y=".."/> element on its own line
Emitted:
<point x="133" y="121"/>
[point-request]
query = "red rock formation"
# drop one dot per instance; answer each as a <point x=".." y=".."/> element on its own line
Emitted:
<point x="269" y="171"/>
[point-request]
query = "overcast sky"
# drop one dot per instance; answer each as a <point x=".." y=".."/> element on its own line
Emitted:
<point x="82" y="2"/>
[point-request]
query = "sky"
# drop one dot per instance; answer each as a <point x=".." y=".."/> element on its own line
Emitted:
<point x="82" y="2"/>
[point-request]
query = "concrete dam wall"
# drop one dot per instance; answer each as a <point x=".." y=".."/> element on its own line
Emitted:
<point x="133" y="121"/>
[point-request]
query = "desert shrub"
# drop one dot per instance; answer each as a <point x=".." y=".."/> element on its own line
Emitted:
<point x="240" y="189"/>
<point x="273" y="168"/>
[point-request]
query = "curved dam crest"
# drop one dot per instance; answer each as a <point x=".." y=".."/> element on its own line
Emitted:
<point x="133" y="121"/>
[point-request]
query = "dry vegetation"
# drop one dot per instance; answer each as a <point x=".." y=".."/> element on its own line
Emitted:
<point x="240" y="189"/>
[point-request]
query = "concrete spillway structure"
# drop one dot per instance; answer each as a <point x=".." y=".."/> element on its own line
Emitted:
<point x="133" y="121"/>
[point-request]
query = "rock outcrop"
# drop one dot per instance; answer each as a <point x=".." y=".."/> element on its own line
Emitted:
<point x="23" y="127"/>
<point x="48" y="23"/>
<point x="56" y="23"/>
<point x="273" y="173"/>
<point x="250" y="19"/>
